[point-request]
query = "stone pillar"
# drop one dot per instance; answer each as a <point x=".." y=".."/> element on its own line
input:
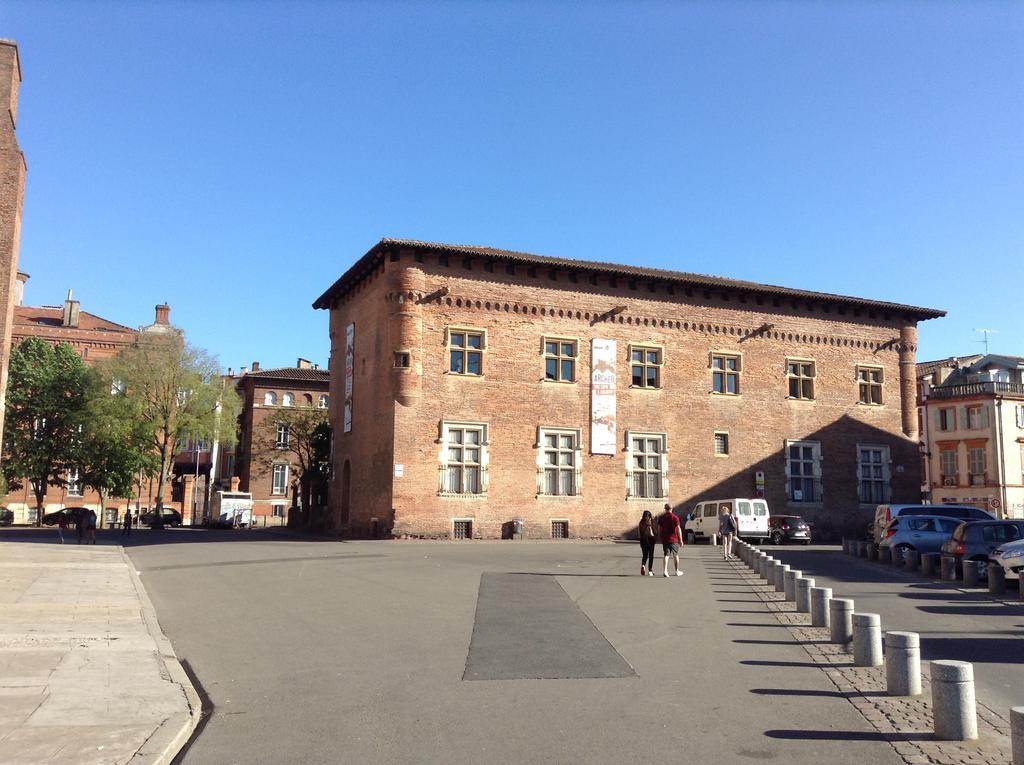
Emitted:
<point x="954" y="705"/>
<point x="908" y="379"/>
<point x="902" y="663"/>
<point x="867" y="640"/>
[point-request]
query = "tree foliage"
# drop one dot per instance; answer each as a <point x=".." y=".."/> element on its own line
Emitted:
<point x="307" y="445"/>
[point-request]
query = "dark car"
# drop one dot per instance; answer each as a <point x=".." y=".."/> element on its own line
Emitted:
<point x="975" y="540"/>
<point x="170" y="518"/>
<point x="788" y="528"/>
<point x="73" y="514"/>
<point x="6" y="516"/>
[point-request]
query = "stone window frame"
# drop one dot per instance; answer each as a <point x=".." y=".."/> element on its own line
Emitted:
<point x="883" y="480"/>
<point x="800" y="378"/>
<point x="726" y="373"/>
<point x="720" y="437"/>
<point x="658" y="366"/>
<point x="869" y="385"/>
<point x="646" y="435"/>
<point x="465" y="350"/>
<point x="275" y="489"/>
<point x="560" y="358"/>
<point x="542" y="466"/>
<point x="815" y="476"/>
<point x="444" y="463"/>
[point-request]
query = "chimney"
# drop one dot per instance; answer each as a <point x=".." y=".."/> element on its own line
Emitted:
<point x="302" y="363"/>
<point x="19" y="288"/>
<point x="255" y="366"/>
<point x="71" y="311"/>
<point x="163" y="314"/>
<point x="243" y="370"/>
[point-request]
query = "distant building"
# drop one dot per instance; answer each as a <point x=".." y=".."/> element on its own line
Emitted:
<point x="973" y="413"/>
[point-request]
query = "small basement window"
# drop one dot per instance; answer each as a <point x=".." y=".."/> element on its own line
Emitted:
<point x="402" y="359"/>
<point x="560" y="529"/>
<point x="462" y="528"/>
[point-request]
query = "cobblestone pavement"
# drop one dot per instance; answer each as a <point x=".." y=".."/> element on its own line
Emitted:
<point x="904" y="721"/>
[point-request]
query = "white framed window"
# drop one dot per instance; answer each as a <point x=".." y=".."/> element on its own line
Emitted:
<point x="284" y="434"/>
<point x="324" y="400"/>
<point x="277" y="510"/>
<point x="800" y="374"/>
<point x="559" y="462"/>
<point x="560" y="359"/>
<point x="646" y="465"/>
<point x="466" y="351"/>
<point x="869" y="385"/>
<point x="463" y="458"/>
<point x="721" y="444"/>
<point x="288" y="399"/>
<point x="117" y="387"/>
<point x="803" y="471"/>
<point x="269" y="398"/>
<point x="977" y="417"/>
<point x="645" y="362"/>
<point x="873" y="474"/>
<point x="74" y="482"/>
<point x="725" y="373"/>
<point x="279" y="482"/>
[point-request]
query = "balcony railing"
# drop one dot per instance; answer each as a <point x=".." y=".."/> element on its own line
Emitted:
<point x="977" y="389"/>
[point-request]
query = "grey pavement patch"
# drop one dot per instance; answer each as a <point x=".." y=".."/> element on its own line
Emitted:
<point x="527" y="627"/>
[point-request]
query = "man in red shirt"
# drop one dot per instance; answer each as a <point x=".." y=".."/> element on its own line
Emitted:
<point x="671" y="537"/>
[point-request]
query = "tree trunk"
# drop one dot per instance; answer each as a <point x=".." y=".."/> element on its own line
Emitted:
<point x="40" y="496"/>
<point x="158" y="521"/>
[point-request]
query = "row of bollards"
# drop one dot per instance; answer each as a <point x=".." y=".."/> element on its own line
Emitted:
<point x="954" y="707"/>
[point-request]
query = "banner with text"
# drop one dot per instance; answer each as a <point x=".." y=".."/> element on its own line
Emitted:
<point x="602" y="397"/>
<point x="350" y="355"/>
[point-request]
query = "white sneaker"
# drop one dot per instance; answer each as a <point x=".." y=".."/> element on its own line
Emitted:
<point x="666" y="573"/>
<point x="678" y="573"/>
<point x="650" y="573"/>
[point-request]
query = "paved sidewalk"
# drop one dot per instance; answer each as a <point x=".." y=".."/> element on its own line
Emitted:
<point x="86" y="675"/>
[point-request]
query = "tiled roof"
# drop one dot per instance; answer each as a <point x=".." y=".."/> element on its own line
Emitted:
<point x="292" y="373"/>
<point x="374" y="256"/>
<point x="53" y="317"/>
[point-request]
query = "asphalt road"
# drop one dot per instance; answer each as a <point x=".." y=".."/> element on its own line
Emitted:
<point x="463" y="652"/>
<point x="954" y="623"/>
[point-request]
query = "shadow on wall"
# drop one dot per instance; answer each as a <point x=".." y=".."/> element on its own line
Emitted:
<point x="837" y="511"/>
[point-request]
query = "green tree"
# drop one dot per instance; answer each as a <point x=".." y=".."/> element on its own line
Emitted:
<point x="300" y="436"/>
<point x="47" y="393"/>
<point x="172" y="388"/>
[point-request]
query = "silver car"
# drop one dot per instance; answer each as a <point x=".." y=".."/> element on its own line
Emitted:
<point x="924" y="533"/>
<point x="1011" y="557"/>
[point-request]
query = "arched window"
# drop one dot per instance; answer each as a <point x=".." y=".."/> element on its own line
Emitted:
<point x="309" y="399"/>
<point x="323" y="401"/>
<point x="270" y="399"/>
<point x="288" y="399"/>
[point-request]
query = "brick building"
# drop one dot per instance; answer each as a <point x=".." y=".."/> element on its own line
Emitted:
<point x="268" y="470"/>
<point x="472" y="386"/>
<point x="12" y="194"/>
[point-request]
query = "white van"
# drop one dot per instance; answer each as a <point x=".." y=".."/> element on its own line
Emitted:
<point x="751" y="516"/>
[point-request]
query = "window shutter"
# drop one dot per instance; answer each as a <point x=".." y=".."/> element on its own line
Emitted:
<point x="629" y="463"/>
<point x="442" y="457"/>
<point x="983" y="420"/>
<point x="540" y="461"/>
<point x="664" y="466"/>
<point x="485" y="459"/>
<point x="819" y="491"/>
<point x="579" y="462"/>
<point x="938" y="419"/>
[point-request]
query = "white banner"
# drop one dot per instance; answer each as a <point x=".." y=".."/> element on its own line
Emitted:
<point x="350" y="355"/>
<point x="602" y="396"/>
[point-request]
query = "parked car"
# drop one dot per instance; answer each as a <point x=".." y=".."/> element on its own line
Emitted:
<point x="73" y="514"/>
<point x="1011" y="557"/>
<point x="788" y="528"/>
<point x="751" y="517"/>
<point x="6" y="516"/>
<point x="976" y="540"/>
<point x="924" y="533"/>
<point x="170" y="518"/>
<point x="885" y="513"/>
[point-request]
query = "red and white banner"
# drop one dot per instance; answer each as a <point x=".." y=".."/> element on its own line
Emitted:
<point x="602" y="396"/>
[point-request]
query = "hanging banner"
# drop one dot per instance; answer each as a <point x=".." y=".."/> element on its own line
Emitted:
<point x="350" y="355"/>
<point x="602" y="397"/>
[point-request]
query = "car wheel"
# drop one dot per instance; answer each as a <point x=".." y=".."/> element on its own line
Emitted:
<point x="776" y="537"/>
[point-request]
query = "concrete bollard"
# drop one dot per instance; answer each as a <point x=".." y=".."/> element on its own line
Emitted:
<point x="930" y="564"/>
<point x="953" y="704"/>
<point x="872" y="551"/>
<point x="884" y="554"/>
<point x="1017" y="734"/>
<point x="947" y="568"/>
<point x="846" y="546"/>
<point x="820" y="597"/>
<point x="780" y="577"/>
<point x="972" y="572"/>
<point x="902" y="664"/>
<point x="713" y="540"/>
<point x="789" y="582"/>
<point x="766" y="568"/>
<point x="862" y="549"/>
<point x="913" y="560"/>
<point x="758" y="563"/>
<point x="867" y="640"/>
<point x="897" y="558"/>
<point x="840" y="620"/>
<point x="803" y="594"/>
<point x="996" y="579"/>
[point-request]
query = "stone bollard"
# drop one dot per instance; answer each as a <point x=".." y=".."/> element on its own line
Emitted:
<point x="872" y="551"/>
<point x="897" y="558"/>
<point x="766" y="567"/>
<point x="820" y="597"/>
<point x="947" y="568"/>
<point x="803" y="594"/>
<point x="972" y="572"/>
<point x="780" y="577"/>
<point x="758" y="563"/>
<point x="789" y="581"/>
<point x="930" y="564"/>
<point x="884" y="554"/>
<point x="953" y="703"/>
<point x="1017" y="734"/>
<point x="846" y="546"/>
<point x="840" y="620"/>
<point x="867" y="640"/>
<point x="913" y="560"/>
<point x="996" y="579"/>
<point x="862" y="549"/>
<point x="713" y="540"/>
<point x="902" y="664"/>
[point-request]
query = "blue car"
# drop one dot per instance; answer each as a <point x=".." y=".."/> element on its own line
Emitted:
<point x="924" y="533"/>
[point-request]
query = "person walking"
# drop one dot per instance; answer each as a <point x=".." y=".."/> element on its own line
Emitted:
<point x="671" y="537"/>
<point x="726" y="530"/>
<point x="126" y="524"/>
<point x="648" y="536"/>
<point x="62" y="526"/>
<point x="80" y="526"/>
<point x="90" y="526"/>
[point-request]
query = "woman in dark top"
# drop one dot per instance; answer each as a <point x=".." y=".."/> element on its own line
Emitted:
<point x="648" y="536"/>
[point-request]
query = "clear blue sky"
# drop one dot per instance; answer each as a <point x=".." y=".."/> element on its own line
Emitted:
<point x="234" y="158"/>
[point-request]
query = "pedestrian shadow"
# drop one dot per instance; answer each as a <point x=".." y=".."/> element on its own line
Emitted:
<point x="751" y="641"/>
<point x="999" y="610"/>
<point x="752" y="624"/>
<point x="952" y="596"/>
<point x="981" y="650"/>
<point x="559" y="573"/>
<point x="846" y="735"/>
<point x="767" y="663"/>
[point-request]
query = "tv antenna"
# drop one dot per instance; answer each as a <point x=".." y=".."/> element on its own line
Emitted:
<point x="986" y="333"/>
